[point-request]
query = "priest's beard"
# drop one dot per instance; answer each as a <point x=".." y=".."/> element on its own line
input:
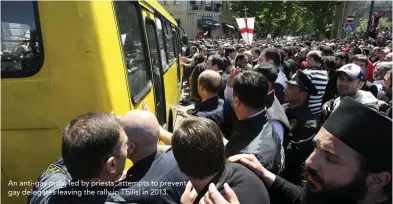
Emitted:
<point x="333" y="193"/>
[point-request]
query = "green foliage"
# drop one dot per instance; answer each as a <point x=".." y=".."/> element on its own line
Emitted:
<point x="287" y="17"/>
<point x="383" y="23"/>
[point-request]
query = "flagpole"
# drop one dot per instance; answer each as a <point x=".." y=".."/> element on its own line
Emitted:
<point x="245" y="13"/>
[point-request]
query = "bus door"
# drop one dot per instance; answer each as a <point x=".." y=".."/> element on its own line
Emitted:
<point x="156" y="63"/>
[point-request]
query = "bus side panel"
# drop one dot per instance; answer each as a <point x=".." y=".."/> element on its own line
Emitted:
<point x="27" y="103"/>
<point x="172" y="89"/>
<point x="25" y="155"/>
<point x="85" y="58"/>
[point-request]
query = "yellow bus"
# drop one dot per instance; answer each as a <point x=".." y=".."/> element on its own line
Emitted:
<point x="63" y="59"/>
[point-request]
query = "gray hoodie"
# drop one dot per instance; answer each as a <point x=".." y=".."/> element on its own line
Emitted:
<point x="364" y="97"/>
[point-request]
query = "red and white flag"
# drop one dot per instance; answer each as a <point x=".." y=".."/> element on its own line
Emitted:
<point x="246" y="27"/>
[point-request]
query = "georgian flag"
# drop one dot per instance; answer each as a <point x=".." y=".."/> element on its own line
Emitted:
<point x="246" y="26"/>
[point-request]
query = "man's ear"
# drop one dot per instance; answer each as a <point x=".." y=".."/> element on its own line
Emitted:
<point x="377" y="181"/>
<point x="304" y="94"/>
<point x="131" y="148"/>
<point x="110" y="165"/>
<point x="361" y="84"/>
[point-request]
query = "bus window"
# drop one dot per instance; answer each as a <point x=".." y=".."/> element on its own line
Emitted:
<point x="169" y="43"/>
<point x="158" y="79"/>
<point x="139" y="77"/>
<point x="21" y="45"/>
<point x="161" y="45"/>
<point x="176" y="43"/>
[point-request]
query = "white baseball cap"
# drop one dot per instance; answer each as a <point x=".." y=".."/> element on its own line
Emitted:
<point x="353" y="71"/>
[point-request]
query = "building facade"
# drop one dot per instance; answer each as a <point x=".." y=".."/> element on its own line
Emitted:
<point x="197" y="18"/>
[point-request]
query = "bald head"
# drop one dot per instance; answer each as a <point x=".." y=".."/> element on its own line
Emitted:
<point x="143" y="129"/>
<point x="210" y="80"/>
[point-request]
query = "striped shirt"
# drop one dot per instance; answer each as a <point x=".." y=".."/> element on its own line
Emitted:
<point x="319" y="78"/>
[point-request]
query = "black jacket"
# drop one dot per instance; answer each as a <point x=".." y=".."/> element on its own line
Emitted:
<point x="257" y="136"/>
<point x="55" y="174"/>
<point x="284" y="192"/>
<point x="224" y="81"/>
<point x="79" y="195"/>
<point x="161" y="168"/>
<point x="299" y="145"/>
<point x="247" y="186"/>
<point x="212" y="109"/>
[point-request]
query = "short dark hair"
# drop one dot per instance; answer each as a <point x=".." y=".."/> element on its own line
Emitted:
<point x="229" y="50"/>
<point x="211" y="84"/>
<point x="251" y="88"/>
<point x="360" y="57"/>
<point x="288" y="51"/>
<point x="329" y="63"/>
<point x="257" y="51"/>
<point x="198" y="147"/>
<point x="356" y="50"/>
<point x="328" y="51"/>
<point x="321" y="47"/>
<point x="240" y="56"/>
<point x="88" y="142"/>
<point x="342" y="56"/>
<point x="217" y="60"/>
<point x="272" y="54"/>
<point x="314" y="54"/>
<point x="241" y="50"/>
<point x="366" y="51"/>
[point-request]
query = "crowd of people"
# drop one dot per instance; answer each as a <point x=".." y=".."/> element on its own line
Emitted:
<point x="278" y="121"/>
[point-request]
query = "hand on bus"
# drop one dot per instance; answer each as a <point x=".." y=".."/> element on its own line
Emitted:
<point x="181" y="112"/>
<point x="118" y="116"/>
<point x="189" y="194"/>
<point x="235" y="71"/>
<point x="214" y="197"/>
<point x="145" y="107"/>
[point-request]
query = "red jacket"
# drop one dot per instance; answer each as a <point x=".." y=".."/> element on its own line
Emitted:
<point x="370" y="72"/>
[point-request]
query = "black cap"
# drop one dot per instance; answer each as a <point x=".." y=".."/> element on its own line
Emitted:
<point x="365" y="130"/>
<point x="268" y="70"/>
<point x="301" y="79"/>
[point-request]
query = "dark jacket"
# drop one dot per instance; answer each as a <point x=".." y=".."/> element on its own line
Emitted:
<point x="212" y="109"/>
<point x="55" y="174"/>
<point x="257" y="136"/>
<point x="247" y="186"/>
<point x="161" y="168"/>
<point x="224" y="81"/>
<point x="284" y="192"/>
<point x="78" y="195"/>
<point x="371" y="87"/>
<point x="227" y="61"/>
<point x="299" y="145"/>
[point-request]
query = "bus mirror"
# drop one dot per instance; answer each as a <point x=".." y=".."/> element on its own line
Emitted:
<point x="184" y="39"/>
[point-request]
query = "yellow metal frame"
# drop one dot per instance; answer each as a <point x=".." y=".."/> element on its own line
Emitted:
<point x="83" y="71"/>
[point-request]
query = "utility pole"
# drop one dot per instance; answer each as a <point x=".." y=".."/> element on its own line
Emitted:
<point x="245" y="11"/>
<point x="370" y="18"/>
